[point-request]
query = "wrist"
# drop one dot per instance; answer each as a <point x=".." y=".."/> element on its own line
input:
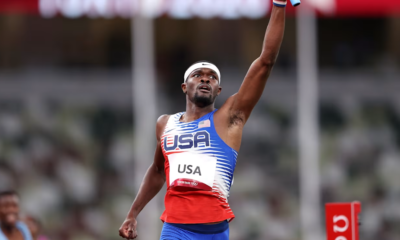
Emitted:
<point x="132" y="214"/>
<point x="279" y="3"/>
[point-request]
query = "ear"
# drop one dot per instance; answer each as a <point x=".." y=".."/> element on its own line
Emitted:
<point x="183" y="86"/>
<point x="219" y="90"/>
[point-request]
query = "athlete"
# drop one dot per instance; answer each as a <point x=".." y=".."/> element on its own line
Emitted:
<point x="11" y="227"/>
<point x="197" y="149"/>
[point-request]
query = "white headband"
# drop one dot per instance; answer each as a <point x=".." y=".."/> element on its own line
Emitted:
<point x="202" y="65"/>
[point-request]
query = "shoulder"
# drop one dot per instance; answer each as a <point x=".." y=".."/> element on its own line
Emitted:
<point x="229" y="114"/>
<point x="23" y="227"/>
<point x="229" y="102"/>
<point x="21" y="224"/>
<point x="163" y="119"/>
<point x="161" y="123"/>
<point x="227" y="106"/>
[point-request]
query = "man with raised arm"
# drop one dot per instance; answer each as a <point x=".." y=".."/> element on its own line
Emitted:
<point x="196" y="150"/>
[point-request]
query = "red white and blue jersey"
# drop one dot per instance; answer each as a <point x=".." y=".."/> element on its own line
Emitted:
<point x="199" y="168"/>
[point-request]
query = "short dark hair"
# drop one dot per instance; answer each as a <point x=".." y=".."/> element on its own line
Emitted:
<point x="9" y="193"/>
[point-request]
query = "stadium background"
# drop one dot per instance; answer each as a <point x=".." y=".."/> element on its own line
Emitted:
<point x="67" y="126"/>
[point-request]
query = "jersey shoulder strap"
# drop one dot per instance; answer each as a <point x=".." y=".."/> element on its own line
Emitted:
<point x="173" y="120"/>
<point x="2" y="236"/>
<point x="25" y="230"/>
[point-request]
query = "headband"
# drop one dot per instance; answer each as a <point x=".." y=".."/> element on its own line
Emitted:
<point x="202" y="65"/>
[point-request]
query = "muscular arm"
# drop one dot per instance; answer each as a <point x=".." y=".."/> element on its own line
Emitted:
<point x="155" y="176"/>
<point x="253" y="85"/>
<point x="152" y="183"/>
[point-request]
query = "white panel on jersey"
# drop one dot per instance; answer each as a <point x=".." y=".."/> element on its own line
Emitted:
<point x="198" y="167"/>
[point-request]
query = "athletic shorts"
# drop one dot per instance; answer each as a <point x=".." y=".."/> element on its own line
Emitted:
<point x="172" y="231"/>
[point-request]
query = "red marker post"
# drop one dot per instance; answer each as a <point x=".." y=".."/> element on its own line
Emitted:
<point x="342" y="220"/>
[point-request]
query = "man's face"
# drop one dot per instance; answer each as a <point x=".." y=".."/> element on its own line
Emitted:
<point x="202" y="87"/>
<point x="9" y="209"/>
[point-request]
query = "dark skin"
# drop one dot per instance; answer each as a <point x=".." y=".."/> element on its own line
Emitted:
<point x="33" y="225"/>
<point x="9" y="213"/>
<point x="229" y="120"/>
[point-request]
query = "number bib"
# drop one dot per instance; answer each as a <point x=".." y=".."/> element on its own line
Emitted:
<point x="188" y="171"/>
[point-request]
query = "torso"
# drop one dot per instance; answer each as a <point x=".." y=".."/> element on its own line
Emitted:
<point x="21" y="232"/>
<point x="15" y="235"/>
<point x="199" y="168"/>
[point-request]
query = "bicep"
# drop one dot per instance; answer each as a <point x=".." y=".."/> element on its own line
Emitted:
<point x="158" y="164"/>
<point x="252" y="88"/>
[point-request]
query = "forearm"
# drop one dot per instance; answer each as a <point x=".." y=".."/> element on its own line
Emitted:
<point x="152" y="183"/>
<point x="273" y="36"/>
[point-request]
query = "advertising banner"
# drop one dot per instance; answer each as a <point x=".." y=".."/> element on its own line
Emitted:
<point x="183" y="9"/>
<point x="342" y="220"/>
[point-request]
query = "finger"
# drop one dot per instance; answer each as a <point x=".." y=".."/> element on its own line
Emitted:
<point x="123" y="233"/>
<point x="131" y="228"/>
<point x="131" y="231"/>
<point x="132" y="235"/>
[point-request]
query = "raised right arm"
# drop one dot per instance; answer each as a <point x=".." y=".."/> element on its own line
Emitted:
<point x="152" y="183"/>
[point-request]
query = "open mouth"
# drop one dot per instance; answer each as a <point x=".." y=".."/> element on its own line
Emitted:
<point x="204" y="88"/>
<point x="11" y="217"/>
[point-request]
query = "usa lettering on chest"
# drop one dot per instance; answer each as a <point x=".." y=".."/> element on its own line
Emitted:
<point x="189" y="169"/>
<point x="187" y="141"/>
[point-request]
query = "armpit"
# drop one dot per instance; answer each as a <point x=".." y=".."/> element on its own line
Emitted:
<point x="237" y="118"/>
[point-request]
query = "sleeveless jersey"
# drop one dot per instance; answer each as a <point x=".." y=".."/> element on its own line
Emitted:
<point x="22" y="228"/>
<point x="199" y="168"/>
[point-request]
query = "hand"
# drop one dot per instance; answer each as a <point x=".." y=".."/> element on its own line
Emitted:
<point x="128" y="229"/>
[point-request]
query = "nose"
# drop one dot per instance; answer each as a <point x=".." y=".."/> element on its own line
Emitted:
<point x="205" y="81"/>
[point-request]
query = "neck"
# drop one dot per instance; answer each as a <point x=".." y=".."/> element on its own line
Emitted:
<point x="194" y="112"/>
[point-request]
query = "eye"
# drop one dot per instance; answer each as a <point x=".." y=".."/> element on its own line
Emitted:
<point x="196" y="75"/>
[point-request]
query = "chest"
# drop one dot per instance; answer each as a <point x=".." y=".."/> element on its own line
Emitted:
<point x="185" y="141"/>
<point x="15" y="235"/>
